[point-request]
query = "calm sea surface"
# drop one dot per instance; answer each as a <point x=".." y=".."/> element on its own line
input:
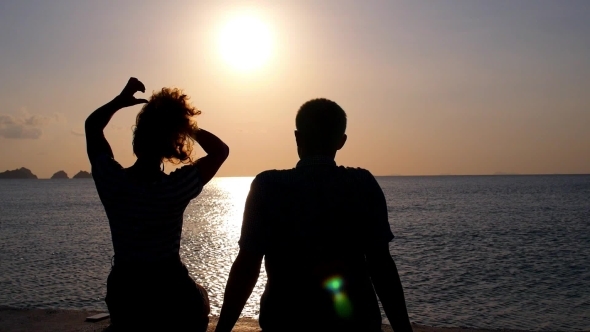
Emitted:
<point x="473" y="251"/>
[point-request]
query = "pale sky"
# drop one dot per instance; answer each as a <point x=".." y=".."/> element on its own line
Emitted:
<point x="430" y="87"/>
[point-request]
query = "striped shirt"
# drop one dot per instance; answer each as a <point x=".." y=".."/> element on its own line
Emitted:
<point x="314" y="223"/>
<point x="145" y="219"/>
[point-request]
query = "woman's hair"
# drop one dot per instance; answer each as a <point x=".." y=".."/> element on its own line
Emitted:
<point x="164" y="127"/>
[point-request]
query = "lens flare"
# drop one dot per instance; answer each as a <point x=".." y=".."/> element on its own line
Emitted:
<point x="334" y="284"/>
<point x="342" y="304"/>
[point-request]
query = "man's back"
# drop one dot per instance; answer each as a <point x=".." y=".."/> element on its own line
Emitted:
<point x="314" y="224"/>
<point x="324" y="233"/>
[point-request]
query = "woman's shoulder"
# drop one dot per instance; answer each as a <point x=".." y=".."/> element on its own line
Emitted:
<point x="109" y="177"/>
<point x="105" y="167"/>
<point x="185" y="178"/>
<point x="184" y="172"/>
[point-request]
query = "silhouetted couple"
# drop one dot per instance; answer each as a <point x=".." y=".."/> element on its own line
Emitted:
<point x="323" y="229"/>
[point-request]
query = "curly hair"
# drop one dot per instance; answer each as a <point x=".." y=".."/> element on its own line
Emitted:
<point x="164" y="127"/>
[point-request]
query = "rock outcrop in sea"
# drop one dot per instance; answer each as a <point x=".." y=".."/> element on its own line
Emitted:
<point x="21" y="173"/>
<point x="60" y="175"/>
<point x="82" y="175"/>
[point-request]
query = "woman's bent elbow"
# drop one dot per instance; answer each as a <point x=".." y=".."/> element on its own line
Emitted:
<point x="225" y="152"/>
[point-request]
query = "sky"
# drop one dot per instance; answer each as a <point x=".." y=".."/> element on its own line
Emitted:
<point x="429" y="87"/>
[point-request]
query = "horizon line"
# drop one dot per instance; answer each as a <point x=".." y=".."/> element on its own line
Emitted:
<point x="392" y="175"/>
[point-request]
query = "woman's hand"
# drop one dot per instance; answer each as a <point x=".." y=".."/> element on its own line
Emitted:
<point x="96" y="143"/>
<point x="126" y="98"/>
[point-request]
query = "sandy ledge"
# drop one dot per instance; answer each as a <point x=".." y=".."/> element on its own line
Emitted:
<point x="52" y="320"/>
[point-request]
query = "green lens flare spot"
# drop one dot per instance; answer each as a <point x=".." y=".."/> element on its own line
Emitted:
<point x="342" y="305"/>
<point x="333" y="284"/>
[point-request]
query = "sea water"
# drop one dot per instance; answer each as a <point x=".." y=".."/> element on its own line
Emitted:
<point x="473" y="251"/>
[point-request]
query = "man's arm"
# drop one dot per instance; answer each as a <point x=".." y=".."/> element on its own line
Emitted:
<point x="246" y="268"/>
<point x="388" y="287"/>
<point x="242" y="279"/>
<point x="381" y="266"/>
<point x="96" y="143"/>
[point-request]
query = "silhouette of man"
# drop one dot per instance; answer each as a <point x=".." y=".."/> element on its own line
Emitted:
<point x="324" y="233"/>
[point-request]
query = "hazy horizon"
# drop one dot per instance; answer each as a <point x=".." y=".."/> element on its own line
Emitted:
<point x="430" y="88"/>
<point x="70" y="175"/>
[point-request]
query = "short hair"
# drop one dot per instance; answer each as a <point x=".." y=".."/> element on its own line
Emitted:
<point x="164" y="127"/>
<point x="321" y="122"/>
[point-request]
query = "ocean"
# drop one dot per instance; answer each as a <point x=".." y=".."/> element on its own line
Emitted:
<point x="472" y="251"/>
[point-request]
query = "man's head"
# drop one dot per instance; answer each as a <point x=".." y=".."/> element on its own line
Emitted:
<point x="321" y="126"/>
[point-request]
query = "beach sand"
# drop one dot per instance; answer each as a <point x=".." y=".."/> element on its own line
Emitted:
<point x="50" y="320"/>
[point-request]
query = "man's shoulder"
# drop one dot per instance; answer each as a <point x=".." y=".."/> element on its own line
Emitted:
<point x="359" y="172"/>
<point x="270" y="177"/>
<point x="271" y="174"/>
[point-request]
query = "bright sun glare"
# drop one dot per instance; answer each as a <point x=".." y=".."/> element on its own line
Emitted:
<point x="245" y="43"/>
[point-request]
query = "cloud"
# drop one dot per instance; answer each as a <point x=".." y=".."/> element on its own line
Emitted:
<point x="76" y="133"/>
<point x="60" y="117"/>
<point x="26" y="126"/>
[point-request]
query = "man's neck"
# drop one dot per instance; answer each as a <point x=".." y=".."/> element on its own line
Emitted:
<point x="308" y="155"/>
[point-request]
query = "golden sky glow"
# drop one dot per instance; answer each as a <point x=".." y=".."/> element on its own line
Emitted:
<point x="430" y="87"/>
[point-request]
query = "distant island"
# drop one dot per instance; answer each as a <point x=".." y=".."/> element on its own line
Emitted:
<point x="82" y="175"/>
<point x="24" y="173"/>
<point x="21" y="173"/>
<point x="60" y="175"/>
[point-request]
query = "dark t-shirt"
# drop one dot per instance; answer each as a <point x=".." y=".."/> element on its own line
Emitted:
<point x="145" y="219"/>
<point x="314" y="224"/>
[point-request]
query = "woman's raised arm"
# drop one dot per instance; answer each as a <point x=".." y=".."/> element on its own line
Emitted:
<point x="96" y="143"/>
<point x="217" y="153"/>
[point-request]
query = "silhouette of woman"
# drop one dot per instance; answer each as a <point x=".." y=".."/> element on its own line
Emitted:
<point x="148" y="286"/>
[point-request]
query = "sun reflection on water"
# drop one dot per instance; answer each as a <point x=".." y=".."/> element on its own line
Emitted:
<point x="236" y="190"/>
<point x="212" y="224"/>
<point x="219" y="207"/>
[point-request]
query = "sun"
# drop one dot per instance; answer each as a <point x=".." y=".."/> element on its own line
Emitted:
<point x="245" y="43"/>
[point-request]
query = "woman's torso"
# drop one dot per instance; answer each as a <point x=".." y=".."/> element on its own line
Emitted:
<point x="145" y="217"/>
